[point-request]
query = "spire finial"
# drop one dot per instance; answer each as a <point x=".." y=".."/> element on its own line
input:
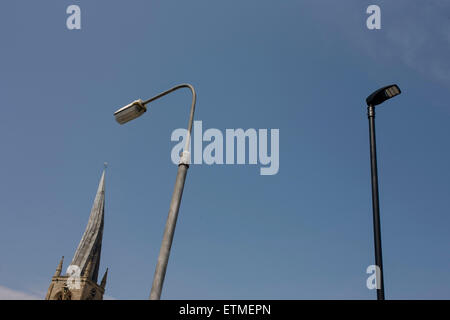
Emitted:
<point x="105" y="165"/>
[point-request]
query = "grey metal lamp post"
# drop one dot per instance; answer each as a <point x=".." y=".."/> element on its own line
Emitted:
<point x="130" y="112"/>
<point x="374" y="99"/>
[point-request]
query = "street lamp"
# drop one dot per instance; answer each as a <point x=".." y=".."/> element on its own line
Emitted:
<point x="374" y="99"/>
<point x="128" y="113"/>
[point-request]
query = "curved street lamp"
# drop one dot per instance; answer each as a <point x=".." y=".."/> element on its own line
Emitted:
<point x="376" y="98"/>
<point x="131" y="112"/>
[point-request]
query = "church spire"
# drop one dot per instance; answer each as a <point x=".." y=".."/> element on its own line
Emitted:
<point x="89" y="249"/>
<point x="88" y="270"/>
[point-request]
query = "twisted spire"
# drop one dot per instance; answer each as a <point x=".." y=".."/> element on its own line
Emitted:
<point x="91" y="242"/>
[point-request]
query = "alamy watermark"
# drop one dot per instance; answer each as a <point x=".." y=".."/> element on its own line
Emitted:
<point x="373" y="281"/>
<point x="373" y="22"/>
<point x="74" y="273"/>
<point x="73" y="21"/>
<point x="232" y="148"/>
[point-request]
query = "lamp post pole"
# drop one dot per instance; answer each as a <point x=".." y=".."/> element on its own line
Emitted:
<point x="375" y="204"/>
<point x="163" y="258"/>
<point x="377" y="97"/>
<point x="164" y="253"/>
<point x="131" y="112"/>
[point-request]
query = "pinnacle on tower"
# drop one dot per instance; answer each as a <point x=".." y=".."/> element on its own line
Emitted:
<point x="105" y="276"/>
<point x="59" y="268"/>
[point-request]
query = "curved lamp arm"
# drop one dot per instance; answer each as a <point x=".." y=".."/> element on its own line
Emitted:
<point x="191" y="116"/>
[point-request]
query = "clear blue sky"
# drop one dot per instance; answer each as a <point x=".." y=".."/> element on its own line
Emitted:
<point x="304" y="67"/>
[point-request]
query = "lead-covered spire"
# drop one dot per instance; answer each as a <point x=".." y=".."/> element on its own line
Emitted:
<point x="90" y="245"/>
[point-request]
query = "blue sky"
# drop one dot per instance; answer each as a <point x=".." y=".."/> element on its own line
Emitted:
<point x="304" y="67"/>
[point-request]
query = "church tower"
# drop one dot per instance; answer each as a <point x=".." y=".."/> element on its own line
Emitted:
<point x="81" y="281"/>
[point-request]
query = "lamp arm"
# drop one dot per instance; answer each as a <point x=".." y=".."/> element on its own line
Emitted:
<point x="191" y="116"/>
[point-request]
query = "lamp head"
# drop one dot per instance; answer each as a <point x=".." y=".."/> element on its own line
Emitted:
<point x="382" y="95"/>
<point x="130" y="112"/>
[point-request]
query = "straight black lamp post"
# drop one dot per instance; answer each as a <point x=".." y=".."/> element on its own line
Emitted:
<point x="374" y="99"/>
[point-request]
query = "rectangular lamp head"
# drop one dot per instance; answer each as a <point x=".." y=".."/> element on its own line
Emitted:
<point x="130" y="112"/>
<point x="382" y="95"/>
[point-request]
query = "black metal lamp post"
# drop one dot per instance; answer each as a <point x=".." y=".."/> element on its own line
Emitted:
<point x="374" y="99"/>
